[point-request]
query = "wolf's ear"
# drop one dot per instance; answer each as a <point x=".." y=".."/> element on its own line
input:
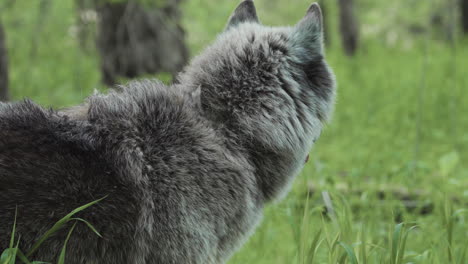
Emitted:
<point x="245" y="12"/>
<point x="307" y="36"/>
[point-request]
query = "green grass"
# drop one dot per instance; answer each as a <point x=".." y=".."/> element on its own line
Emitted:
<point x="400" y="124"/>
<point x="13" y="254"/>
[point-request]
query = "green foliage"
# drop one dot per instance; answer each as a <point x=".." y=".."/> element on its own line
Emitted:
<point x="61" y="259"/>
<point x="349" y="253"/>
<point x="10" y="254"/>
<point x="448" y="163"/>
<point x="57" y="226"/>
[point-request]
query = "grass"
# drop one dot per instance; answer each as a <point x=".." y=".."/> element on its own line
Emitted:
<point x="400" y="124"/>
<point x="12" y="254"/>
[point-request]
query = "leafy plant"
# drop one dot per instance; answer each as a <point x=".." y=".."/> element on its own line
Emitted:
<point x="10" y="255"/>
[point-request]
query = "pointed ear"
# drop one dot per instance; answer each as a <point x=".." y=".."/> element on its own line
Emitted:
<point x="307" y="36"/>
<point x="245" y="12"/>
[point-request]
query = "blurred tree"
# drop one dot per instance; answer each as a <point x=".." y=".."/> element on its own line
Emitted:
<point x="464" y="15"/>
<point x="136" y="37"/>
<point x="43" y="14"/>
<point x="348" y="26"/>
<point x="3" y="67"/>
<point x="86" y="18"/>
<point x="134" y="40"/>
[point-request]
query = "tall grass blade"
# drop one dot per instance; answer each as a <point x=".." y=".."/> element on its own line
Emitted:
<point x="14" y="253"/>
<point x="90" y="226"/>
<point x="9" y="255"/>
<point x="349" y="252"/>
<point x="12" y="239"/>
<point x="462" y="259"/>
<point x="6" y="256"/>
<point x="59" y="225"/>
<point x="342" y="258"/>
<point x="305" y="231"/>
<point x="314" y="247"/>
<point x="333" y="251"/>
<point x="395" y="243"/>
<point x="401" y="249"/>
<point x="448" y="209"/>
<point x="61" y="259"/>
<point x="25" y="260"/>
<point x="362" y="248"/>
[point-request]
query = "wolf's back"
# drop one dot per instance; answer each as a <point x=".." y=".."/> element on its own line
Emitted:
<point x="50" y="165"/>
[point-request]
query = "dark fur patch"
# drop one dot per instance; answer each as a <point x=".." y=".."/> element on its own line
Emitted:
<point x="316" y="76"/>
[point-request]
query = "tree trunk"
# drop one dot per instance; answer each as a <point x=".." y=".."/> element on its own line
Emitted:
<point x="86" y="19"/>
<point x="464" y="16"/>
<point x="4" y="95"/>
<point x="133" y="41"/>
<point x="348" y="27"/>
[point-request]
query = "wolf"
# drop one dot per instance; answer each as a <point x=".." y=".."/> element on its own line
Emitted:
<point x="185" y="170"/>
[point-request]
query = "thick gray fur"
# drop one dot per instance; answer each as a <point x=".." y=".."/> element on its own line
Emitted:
<point x="186" y="169"/>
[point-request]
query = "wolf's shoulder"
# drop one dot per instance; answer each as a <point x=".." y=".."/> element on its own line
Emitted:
<point x="137" y="101"/>
<point x="33" y="139"/>
<point x="26" y="122"/>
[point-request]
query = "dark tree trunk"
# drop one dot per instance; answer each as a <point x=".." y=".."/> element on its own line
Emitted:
<point x="133" y="41"/>
<point x="4" y="95"/>
<point x="348" y="27"/>
<point x="464" y="16"/>
<point x="86" y="19"/>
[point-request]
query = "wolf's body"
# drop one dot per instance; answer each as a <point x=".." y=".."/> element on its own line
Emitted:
<point x="186" y="169"/>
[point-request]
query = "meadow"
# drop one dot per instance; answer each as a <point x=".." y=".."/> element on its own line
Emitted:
<point x="388" y="180"/>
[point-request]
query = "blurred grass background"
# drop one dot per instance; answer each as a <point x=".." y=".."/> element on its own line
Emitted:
<point x="400" y="125"/>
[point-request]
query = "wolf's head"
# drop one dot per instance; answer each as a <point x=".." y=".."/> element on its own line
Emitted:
<point x="269" y="88"/>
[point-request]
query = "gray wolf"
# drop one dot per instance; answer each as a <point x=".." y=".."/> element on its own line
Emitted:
<point x="187" y="169"/>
